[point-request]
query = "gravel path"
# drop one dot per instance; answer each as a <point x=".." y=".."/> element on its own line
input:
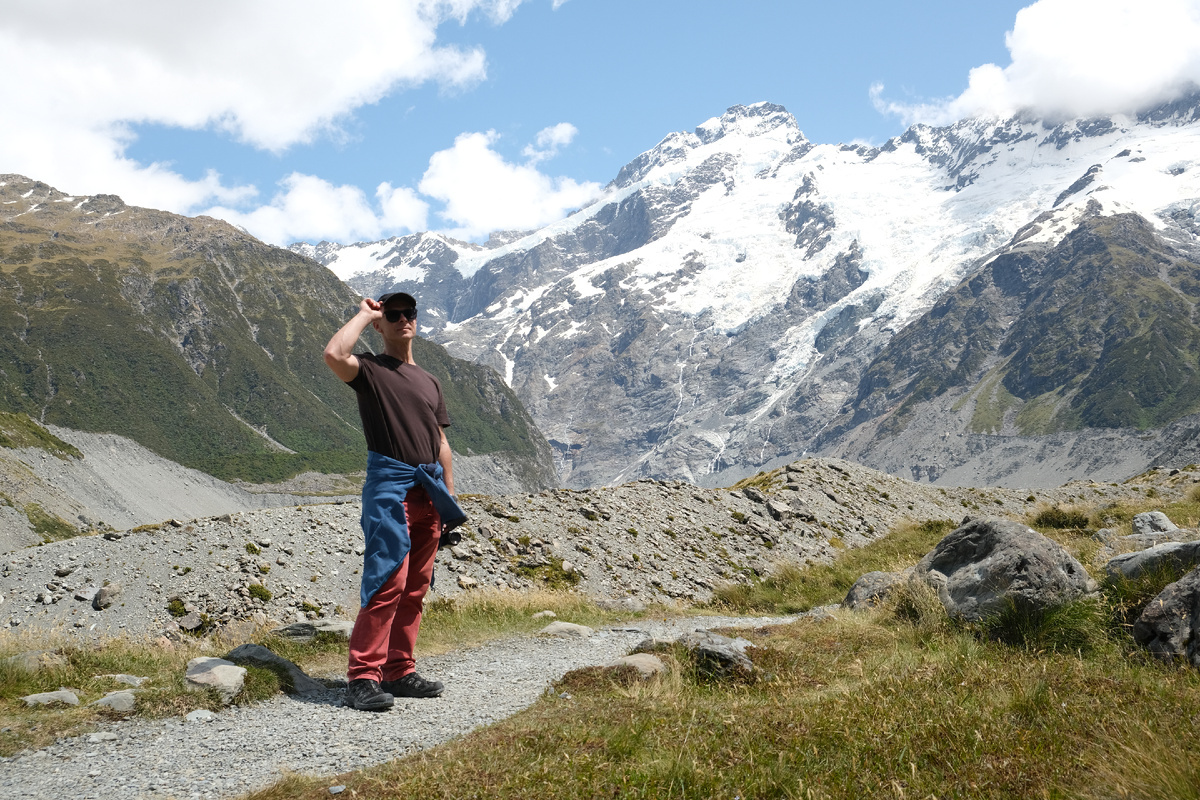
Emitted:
<point x="244" y="749"/>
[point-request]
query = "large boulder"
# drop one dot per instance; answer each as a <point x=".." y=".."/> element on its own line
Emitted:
<point x="984" y="565"/>
<point x="1181" y="556"/>
<point x="1170" y="625"/>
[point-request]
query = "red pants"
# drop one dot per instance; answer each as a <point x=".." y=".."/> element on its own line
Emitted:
<point x="381" y="645"/>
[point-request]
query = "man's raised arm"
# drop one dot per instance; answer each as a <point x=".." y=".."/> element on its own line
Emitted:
<point x="339" y="353"/>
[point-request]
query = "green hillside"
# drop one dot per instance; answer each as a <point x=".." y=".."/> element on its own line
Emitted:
<point x="186" y="335"/>
<point x="1099" y="331"/>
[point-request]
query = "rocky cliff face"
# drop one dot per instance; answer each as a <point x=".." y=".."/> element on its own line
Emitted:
<point x="723" y="307"/>
<point x="199" y="342"/>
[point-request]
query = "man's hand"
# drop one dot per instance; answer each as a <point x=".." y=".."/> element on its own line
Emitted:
<point x="372" y="308"/>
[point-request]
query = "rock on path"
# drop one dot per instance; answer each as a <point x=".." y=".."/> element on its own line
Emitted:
<point x="243" y="749"/>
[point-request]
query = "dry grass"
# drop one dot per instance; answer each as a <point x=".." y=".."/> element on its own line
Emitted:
<point x="448" y="625"/>
<point x="867" y="705"/>
<point x="896" y="702"/>
<point x="480" y="616"/>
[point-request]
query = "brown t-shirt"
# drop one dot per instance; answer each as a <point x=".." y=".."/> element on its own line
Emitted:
<point x="402" y="409"/>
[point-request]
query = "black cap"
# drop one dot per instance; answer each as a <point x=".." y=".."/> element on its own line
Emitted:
<point x="405" y="296"/>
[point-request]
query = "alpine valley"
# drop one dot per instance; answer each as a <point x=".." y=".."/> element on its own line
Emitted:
<point x="1000" y="301"/>
<point x="201" y="344"/>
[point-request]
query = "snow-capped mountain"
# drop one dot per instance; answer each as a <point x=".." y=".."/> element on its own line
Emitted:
<point x="717" y="309"/>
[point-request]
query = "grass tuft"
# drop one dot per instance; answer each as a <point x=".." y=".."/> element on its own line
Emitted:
<point x="791" y="588"/>
<point x="1060" y="518"/>
<point x="1082" y="626"/>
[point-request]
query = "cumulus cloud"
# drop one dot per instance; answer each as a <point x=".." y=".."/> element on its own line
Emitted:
<point x="483" y="192"/>
<point x="307" y="207"/>
<point x="1073" y="58"/>
<point x="271" y="74"/>
<point x="549" y="141"/>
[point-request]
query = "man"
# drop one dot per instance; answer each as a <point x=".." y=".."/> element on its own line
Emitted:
<point x="407" y="498"/>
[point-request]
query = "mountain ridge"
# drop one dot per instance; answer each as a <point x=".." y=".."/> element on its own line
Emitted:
<point x="766" y="272"/>
<point x="200" y="342"/>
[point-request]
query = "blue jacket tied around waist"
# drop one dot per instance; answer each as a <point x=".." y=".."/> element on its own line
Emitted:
<point x="383" y="522"/>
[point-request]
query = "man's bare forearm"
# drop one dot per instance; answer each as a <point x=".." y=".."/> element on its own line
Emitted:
<point x="339" y="353"/>
<point x="444" y="457"/>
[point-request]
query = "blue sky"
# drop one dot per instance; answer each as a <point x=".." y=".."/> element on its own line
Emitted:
<point x="306" y="120"/>
<point x="626" y="73"/>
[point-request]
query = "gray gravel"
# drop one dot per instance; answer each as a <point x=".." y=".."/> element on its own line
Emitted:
<point x="665" y="542"/>
<point x="244" y="749"/>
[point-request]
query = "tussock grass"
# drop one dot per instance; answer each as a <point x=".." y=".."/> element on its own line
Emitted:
<point x="899" y="701"/>
<point x="1142" y="763"/>
<point x="1061" y="517"/>
<point x="447" y="625"/>
<point x="1084" y="626"/>
<point x="479" y="616"/>
<point x="1127" y="598"/>
<point x="888" y="703"/>
<point x="83" y="672"/>
<point x="791" y="588"/>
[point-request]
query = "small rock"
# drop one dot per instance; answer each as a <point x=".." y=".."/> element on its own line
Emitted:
<point x="1180" y="556"/>
<point x="872" y="589"/>
<point x="337" y="789"/>
<point x="201" y="715"/>
<point x="754" y="494"/>
<point x="130" y="680"/>
<point x="653" y="645"/>
<point x="63" y="572"/>
<point x="338" y="627"/>
<point x="568" y="567"/>
<point x="65" y="696"/>
<point x="647" y="665"/>
<point x="1152" y="522"/>
<point x="467" y="582"/>
<point x="567" y="630"/>
<point x="121" y="700"/>
<point x="34" y="660"/>
<point x="215" y="673"/>
<point x="190" y="622"/>
<point x="300" y="631"/>
<point x="719" y="656"/>
<point x="779" y="511"/>
<point x="102" y="736"/>
<point x="106" y="596"/>
<point x="545" y="615"/>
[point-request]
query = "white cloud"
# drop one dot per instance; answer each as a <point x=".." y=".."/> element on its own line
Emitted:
<point x="272" y="74"/>
<point x="1078" y="58"/>
<point x="483" y="192"/>
<point x="308" y="207"/>
<point x="549" y="141"/>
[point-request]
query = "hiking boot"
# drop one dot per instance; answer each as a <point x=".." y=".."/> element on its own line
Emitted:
<point x="413" y="685"/>
<point x="364" y="694"/>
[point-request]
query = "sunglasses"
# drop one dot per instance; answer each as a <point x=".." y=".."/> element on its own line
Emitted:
<point x="394" y="314"/>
